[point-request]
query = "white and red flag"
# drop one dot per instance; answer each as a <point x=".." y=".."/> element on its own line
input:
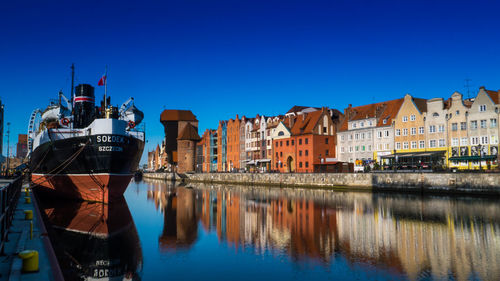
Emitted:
<point x="102" y="81"/>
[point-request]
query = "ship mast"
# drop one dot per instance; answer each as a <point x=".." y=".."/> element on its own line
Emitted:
<point x="72" y="81"/>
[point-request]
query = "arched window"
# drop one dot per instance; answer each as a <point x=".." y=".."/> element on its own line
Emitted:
<point x="281" y="133"/>
<point x="435" y="114"/>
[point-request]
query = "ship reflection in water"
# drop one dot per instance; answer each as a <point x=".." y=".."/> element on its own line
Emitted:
<point x="93" y="241"/>
<point x="404" y="237"/>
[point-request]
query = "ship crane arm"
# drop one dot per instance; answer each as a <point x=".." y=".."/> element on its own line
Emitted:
<point x="125" y="106"/>
<point x="68" y="103"/>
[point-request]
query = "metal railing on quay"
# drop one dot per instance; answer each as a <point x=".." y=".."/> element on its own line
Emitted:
<point x="9" y="196"/>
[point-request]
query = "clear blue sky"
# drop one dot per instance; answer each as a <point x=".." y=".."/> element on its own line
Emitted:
<point x="220" y="58"/>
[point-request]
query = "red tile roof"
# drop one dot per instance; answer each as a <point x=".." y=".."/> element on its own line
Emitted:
<point x="305" y="123"/>
<point x="494" y="95"/>
<point x="382" y="110"/>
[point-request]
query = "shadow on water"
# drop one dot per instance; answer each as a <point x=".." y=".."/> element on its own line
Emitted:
<point x="406" y="236"/>
<point x="93" y="240"/>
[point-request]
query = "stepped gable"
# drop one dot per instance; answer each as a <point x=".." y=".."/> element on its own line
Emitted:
<point x="177" y="115"/>
<point x="189" y="133"/>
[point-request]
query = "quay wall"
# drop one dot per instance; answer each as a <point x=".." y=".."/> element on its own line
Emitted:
<point x="162" y="176"/>
<point x="451" y="183"/>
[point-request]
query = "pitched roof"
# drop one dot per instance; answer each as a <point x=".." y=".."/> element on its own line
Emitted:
<point x="305" y="124"/>
<point x="177" y="115"/>
<point x="299" y="108"/>
<point x="494" y="95"/>
<point x="421" y="104"/>
<point x="382" y="110"/>
<point x="189" y="133"/>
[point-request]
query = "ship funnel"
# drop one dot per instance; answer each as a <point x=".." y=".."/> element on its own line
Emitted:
<point x="84" y="109"/>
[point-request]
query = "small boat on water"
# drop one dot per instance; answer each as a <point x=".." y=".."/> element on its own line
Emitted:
<point x="83" y="151"/>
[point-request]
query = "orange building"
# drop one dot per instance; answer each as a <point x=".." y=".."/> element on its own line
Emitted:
<point x="233" y="144"/>
<point x="307" y="144"/>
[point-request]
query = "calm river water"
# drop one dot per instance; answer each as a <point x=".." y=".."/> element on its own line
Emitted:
<point x="217" y="232"/>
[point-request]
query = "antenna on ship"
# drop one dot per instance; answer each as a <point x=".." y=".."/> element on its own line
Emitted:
<point x="72" y="82"/>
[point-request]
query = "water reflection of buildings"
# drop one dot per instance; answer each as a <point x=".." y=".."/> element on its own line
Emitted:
<point x="412" y="236"/>
<point x="94" y="241"/>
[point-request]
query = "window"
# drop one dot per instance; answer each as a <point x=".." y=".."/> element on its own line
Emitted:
<point x="405" y="118"/>
<point x="300" y="141"/>
<point x="405" y="145"/>
<point x="326" y="140"/>
<point x="362" y="148"/>
<point x="398" y="145"/>
<point x="369" y="147"/>
<point x="350" y="148"/>
<point x="362" y="136"/>
<point x="350" y="137"/>
<point x="300" y="164"/>
<point x="454" y="142"/>
<point x="342" y="137"/>
<point x="354" y="125"/>
<point x="276" y="154"/>
<point x="412" y="117"/>
<point x="306" y="152"/>
<point x="463" y="126"/>
<point x="398" y="132"/>
<point x="457" y="112"/>
<point x="342" y="149"/>
<point x="300" y="152"/>
<point x="473" y="125"/>
<point x="293" y="142"/>
<point x="474" y="140"/>
<point x="276" y="143"/>
<point x="432" y="143"/>
<point x="463" y="141"/>
<point x="454" y="126"/>
<point x="484" y="140"/>
<point x="281" y="143"/>
<point x="327" y="152"/>
<point x="307" y="164"/>
<point x="405" y="132"/>
<point x="281" y="153"/>
<point x="384" y="121"/>
<point x="361" y="124"/>
<point x="421" y="144"/>
<point x="369" y="135"/>
<point x="306" y="141"/>
<point x="493" y="123"/>
<point x="482" y="107"/>
<point x="325" y="130"/>
<point x="370" y="123"/>
<point x="441" y="128"/>
<point x="432" y="129"/>
<point x="379" y="134"/>
<point x="435" y="114"/>
<point x="357" y="148"/>
<point x="413" y="144"/>
<point x="386" y="146"/>
<point x="287" y="143"/>
<point x="386" y="133"/>
<point x="483" y="124"/>
<point x="356" y="136"/>
<point x="421" y="130"/>
<point x="414" y="131"/>
<point x="442" y="143"/>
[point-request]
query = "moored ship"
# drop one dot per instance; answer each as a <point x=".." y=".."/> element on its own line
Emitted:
<point x="83" y="151"/>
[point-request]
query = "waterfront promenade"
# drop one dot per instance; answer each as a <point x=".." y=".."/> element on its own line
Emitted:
<point x="446" y="183"/>
<point x="19" y="239"/>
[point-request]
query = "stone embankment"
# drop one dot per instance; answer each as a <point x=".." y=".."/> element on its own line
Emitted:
<point x="451" y="183"/>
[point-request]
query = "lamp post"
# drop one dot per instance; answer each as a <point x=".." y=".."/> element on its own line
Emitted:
<point x="8" y="149"/>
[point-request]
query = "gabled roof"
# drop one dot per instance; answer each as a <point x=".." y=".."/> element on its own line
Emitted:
<point x="305" y="124"/>
<point x="299" y="108"/>
<point x="493" y="95"/>
<point x="421" y="104"/>
<point x="189" y="133"/>
<point x="177" y="115"/>
<point x="382" y="110"/>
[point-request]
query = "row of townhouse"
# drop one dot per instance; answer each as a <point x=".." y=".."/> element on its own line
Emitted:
<point x="302" y="140"/>
<point x="413" y="133"/>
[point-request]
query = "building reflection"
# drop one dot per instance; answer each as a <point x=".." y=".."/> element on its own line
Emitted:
<point x="93" y="241"/>
<point x="416" y="237"/>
